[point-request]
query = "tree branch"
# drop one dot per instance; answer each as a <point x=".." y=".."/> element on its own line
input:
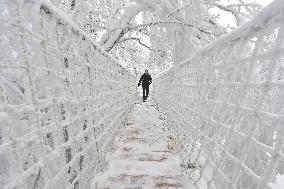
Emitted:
<point x="143" y="44"/>
<point x="168" y="22"/>
<point x="234" y="12"/>
<point x="177" y="10"/>
<point x="138" y="27"/>
<point x="137" y="40"/>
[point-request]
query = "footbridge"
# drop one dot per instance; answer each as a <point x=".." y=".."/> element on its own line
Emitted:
<point x="69" y="112"/>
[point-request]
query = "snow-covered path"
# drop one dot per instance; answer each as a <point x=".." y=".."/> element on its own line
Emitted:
<point x="142" y="159"/>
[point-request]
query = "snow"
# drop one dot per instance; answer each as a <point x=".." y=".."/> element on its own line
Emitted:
<point x="62" y="16"/>
<point x="270" y="15"/>
<point x="65" y="103"/>
<point x="225" y="105"/>
<point x="142" y="157"/>
<point x="61" y="99"/>
<point x="279" y="182"/>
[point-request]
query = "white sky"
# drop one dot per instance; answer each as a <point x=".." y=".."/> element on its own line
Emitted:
<point x="262" y="2"/>
<point x="225" y="17"/>
<point x="228" y="19"/>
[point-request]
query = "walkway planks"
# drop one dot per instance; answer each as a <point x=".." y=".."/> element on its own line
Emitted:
<point x="142" y="159"/>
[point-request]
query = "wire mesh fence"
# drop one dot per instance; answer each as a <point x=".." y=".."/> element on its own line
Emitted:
<point x="62" y="98"/>
<point x="225" y="106"/>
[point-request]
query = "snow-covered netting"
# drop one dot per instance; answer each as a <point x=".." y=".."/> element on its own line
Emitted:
<point x="225" y="106"/>
<point x="62" y="98"/>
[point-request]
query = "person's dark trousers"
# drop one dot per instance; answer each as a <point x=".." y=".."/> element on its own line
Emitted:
<point x="145" y="92"/>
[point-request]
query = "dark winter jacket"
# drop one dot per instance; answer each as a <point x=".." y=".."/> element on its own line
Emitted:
<point x="145" y="79"/>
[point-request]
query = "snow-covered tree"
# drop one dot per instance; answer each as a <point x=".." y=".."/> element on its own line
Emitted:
<point x="168" y="30"/>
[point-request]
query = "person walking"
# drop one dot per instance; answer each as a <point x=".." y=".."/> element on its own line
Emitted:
<point x="146" y="80"/>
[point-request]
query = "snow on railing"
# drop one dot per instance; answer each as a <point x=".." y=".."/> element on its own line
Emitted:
<point x="62" y="98"/>
<point x="225" y="106"/>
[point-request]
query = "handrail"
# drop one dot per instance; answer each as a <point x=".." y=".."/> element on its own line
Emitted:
<point x="224" y="106"/>
<point x="62" y="99"/>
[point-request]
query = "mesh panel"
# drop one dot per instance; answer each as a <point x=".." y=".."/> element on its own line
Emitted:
<point x="62" y="98"/>
<point x="225" y="106"/>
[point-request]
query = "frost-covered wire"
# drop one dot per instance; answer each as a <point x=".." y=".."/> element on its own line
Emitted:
<point x="62" y="98"/>
<point x="224" y="106"/>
